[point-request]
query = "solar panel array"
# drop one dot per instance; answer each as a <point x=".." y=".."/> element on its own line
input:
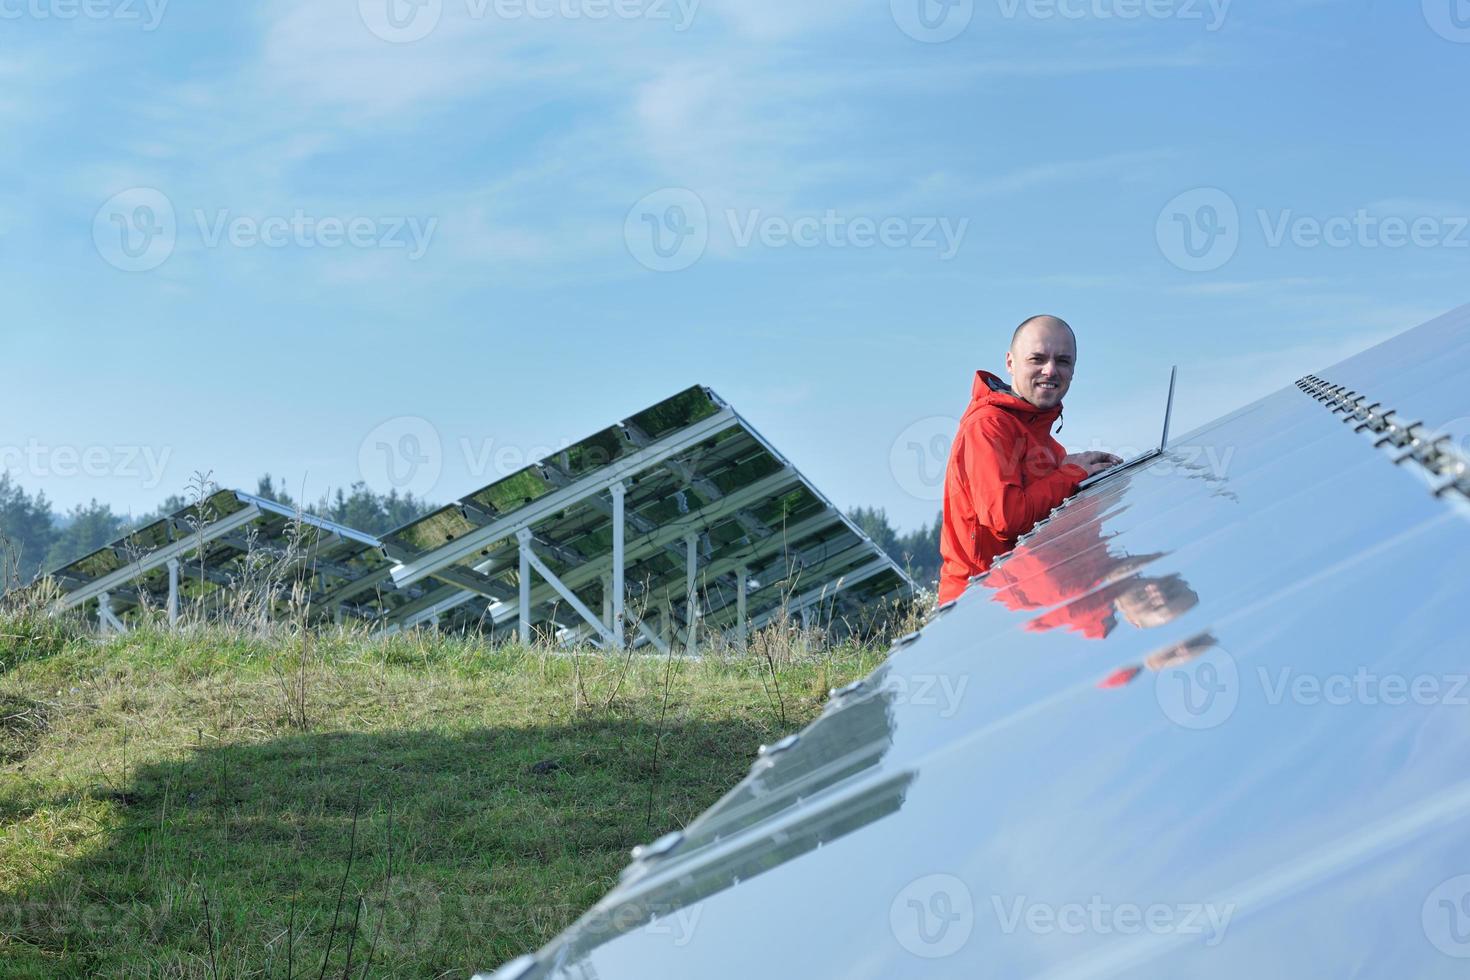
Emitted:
<point x="704" y="499"/>
<point x="682" y="511"/>
<point x="232" y="547"/>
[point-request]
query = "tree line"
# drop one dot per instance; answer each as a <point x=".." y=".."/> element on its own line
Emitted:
<point x="35" y="539"/>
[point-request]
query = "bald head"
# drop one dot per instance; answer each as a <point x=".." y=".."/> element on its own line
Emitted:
<point x="1041" y="359"/>
<point x="1045" y="321"/>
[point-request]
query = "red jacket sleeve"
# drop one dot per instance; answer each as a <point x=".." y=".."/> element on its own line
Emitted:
<point x="1008" y="499"/>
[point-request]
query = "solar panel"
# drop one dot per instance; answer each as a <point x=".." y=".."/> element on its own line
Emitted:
<point x="678" y="519"/>
<point x="1207" y="720"/>
<point x="229" y="544"/>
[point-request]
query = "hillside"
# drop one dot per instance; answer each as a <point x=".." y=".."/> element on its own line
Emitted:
<point x="213" y="803"/>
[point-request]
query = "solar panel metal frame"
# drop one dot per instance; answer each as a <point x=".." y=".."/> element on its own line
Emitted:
<point x="345" y="572"/>
<point x="687" y="465"/>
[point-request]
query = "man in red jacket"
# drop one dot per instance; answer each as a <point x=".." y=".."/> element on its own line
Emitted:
<point x="1006" y="472"/>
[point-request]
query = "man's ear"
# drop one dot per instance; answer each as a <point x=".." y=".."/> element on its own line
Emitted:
<point x="1010" y="364"/>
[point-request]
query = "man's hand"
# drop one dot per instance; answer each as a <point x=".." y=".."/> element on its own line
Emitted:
<point x="1093" y="462"/>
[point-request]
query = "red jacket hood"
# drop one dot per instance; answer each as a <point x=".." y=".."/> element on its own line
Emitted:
<point x="991" y="390"/>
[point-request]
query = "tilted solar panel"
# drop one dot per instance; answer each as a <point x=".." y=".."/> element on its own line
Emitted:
<point x="224" y="548"/>
<point x="1208" y="720"/>
<point x="706" y="526"/>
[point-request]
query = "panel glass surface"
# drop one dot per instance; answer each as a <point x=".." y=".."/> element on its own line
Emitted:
<point x="1205" y="724"/>
<point x="713" y="477"/>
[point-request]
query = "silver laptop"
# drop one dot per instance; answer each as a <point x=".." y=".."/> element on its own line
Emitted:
<point x="1144" y="457"/>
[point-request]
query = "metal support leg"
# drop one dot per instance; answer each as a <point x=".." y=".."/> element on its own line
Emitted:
<point x="528" y="553"/>
<point x="619" y="587"/>
<point x="691" y="543"/>
<point x="337" y="614"/>
<point x="525" y="611"/>
<point x="106" y="618"/>
<point x="607" y="612"/>
<point x="173" y="592"/>
<point x="742" y="576"/>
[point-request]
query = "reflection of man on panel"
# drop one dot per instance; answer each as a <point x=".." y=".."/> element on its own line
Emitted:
<point x="1006" y="472"/>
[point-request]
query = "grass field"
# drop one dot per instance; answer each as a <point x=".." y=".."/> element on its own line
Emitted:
<point x="217" y="804"/>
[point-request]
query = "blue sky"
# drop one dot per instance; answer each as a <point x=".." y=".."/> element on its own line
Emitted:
<point x="271" y="236"/>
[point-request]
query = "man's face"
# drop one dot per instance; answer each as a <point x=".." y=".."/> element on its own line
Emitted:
<point x="1040" y="363"/>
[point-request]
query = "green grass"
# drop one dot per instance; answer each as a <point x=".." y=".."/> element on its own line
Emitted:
<point x="207" y="804"/>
